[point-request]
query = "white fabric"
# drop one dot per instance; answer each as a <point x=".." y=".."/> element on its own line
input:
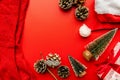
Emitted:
<point x="118" y="61"/>
<point x="107" y="7"/>
<point x="112" y="75"/>
<point x="116" y="48"/>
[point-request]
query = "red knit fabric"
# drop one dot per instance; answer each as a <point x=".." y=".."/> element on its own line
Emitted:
<point x="108" y="18"/>
<point x="13" y="66"/>
<point x="23" y="67"/>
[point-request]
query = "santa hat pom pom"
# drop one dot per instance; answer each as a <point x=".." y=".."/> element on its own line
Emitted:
<point x="84" y="31"/>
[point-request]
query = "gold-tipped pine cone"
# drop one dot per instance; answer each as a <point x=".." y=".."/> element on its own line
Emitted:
<point x="81" y="13"/>
<point x="65" y="4"/>
<point x="40" y="66"/>
<point x="63" y="71"/>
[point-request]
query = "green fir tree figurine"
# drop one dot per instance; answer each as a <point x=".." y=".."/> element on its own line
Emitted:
<point x="77" y="67"/>
<point x="95" y="48"/>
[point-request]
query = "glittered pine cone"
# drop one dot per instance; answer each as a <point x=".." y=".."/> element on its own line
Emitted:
<point x="65" y="4"/>
<point x="53" y="60"/>
<point x="63" y="71"/>
<point x="78" y="2"/>
<point x="81" y="12"/>
<point x="40" y="66"/>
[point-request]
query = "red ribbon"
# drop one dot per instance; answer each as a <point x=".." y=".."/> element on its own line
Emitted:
<point x="109" y="63"/>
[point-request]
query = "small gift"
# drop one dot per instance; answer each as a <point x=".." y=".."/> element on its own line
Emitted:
<point x="111" y="70"/>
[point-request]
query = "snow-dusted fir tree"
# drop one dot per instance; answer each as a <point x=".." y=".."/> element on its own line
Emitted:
<point x="78" y="67"/>
<point x="95" y="48"/>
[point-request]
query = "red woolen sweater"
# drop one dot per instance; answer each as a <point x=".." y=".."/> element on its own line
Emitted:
<point x="12" y="63"/>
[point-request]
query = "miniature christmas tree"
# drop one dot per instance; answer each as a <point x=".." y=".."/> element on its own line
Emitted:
<point x="78" y="67"/>
<point x="98" y="46"/>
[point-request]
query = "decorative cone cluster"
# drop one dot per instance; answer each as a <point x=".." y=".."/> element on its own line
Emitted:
<point x="52" y="60"/>
<point x="81" y="11"/>
<point x="78" y="67"/>
<point x="98" y="46"/>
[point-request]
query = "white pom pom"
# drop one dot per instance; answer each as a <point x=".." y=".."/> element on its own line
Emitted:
<point x="84" y="31"/>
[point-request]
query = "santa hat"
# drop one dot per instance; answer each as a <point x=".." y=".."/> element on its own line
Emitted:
<point x="108" y="10"/>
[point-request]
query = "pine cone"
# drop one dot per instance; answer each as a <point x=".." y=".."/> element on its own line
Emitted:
<point x="40" y="66"/>
<point x="65" y="4"/>
<point x="63" y="71"/>
<point x="53" y="60"/>
<point x="78" y="2"/>
<point x="81" y="12"/>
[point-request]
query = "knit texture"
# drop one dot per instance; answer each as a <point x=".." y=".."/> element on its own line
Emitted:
<point x="13" y="65"/>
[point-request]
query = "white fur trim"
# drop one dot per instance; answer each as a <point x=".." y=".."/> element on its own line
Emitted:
<point x="107" y="7"/>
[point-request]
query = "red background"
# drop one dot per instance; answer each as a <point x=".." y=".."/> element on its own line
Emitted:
<point x="50" y="29"/>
